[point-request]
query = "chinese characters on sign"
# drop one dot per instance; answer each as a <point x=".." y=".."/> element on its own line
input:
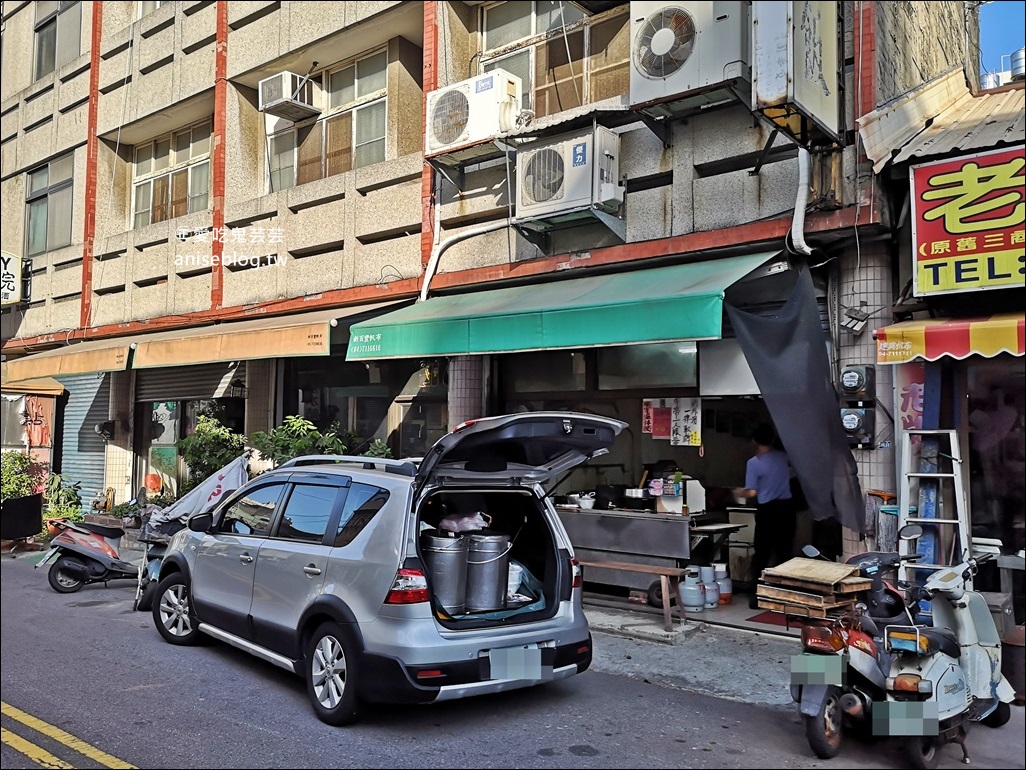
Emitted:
<point x="10" y="279"/>
<point x="968" y="218"/>
<point x="677" y="419"/>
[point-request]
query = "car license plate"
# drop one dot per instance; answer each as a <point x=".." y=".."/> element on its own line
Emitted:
<point x="528" y="662"/>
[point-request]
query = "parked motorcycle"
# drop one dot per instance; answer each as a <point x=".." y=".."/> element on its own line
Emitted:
<point x="84" y="553"/>
<point x="831" y="691"/>
<point x="944" y="678"/>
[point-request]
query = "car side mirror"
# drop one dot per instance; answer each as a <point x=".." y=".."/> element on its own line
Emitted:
<point x="201" y="522"/>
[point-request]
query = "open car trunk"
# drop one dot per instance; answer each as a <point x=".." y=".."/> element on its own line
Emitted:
<point x="469" y="570"/>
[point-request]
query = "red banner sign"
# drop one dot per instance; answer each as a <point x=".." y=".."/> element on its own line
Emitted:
<point x="968" y="218"/>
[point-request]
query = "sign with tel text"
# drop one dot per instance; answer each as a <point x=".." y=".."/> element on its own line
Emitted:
<point x="968" y="218"/>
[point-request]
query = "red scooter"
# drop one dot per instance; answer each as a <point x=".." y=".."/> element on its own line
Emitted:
<point x="84" y="553"/>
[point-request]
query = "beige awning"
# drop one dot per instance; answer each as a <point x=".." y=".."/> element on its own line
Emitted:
<point x="306" y="334"/>
<point x="43" y="386"/>
<point x="78" y="358"/>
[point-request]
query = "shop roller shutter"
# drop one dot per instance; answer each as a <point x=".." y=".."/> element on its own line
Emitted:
<point x="183" y="383"/>
<point x="83" y="452"/>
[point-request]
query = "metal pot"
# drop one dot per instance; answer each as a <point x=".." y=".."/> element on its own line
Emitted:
<point x="633" y="493"/>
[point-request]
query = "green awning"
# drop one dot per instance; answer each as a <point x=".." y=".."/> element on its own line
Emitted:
<point x="678" y="302"/>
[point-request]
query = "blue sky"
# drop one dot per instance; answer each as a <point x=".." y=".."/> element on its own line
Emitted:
<point x="1001" y="32"/>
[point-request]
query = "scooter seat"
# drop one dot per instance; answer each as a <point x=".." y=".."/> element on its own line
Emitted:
<point x="101" y="530"/>
<point x="942" y="640"/>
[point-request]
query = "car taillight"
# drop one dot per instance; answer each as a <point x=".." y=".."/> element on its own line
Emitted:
<point x="821" y="639"/>
<point x="410" y="587"/>
<point x="463" y="425"/>
<point x="578" y="573"/>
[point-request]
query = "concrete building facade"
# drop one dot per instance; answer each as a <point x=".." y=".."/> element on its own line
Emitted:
<point x="150" y="195"/>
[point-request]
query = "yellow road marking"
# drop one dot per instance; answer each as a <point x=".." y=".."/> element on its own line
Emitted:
<point x="38" y="755"/>
<point x="67" y="739"/>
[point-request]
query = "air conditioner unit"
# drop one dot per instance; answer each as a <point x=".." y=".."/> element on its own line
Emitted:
<point x="471" y="111"/>
<point x="288" y="95"/>
<point x="688" y="54"/>
<point x="563" y="178"/>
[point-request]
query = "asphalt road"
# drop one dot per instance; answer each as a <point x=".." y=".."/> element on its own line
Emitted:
<point x="88" y="683"/>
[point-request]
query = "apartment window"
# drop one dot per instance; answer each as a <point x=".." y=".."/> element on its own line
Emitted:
<point x="58" y="34"/>
<point x="149" y="6"/>
<point x="564" y="58"/>
<point x="48" y="205"/>
<point x="350" y="135"/>
<point x="172" y="175"/>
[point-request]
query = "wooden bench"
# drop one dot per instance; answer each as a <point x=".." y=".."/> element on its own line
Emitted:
<point x="668" y="577"/>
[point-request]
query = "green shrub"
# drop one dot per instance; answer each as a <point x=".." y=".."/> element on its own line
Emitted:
<point x="211" y="447"/>
<point x="378" y="448"/>
<point x="296" y="437"/>
<point x="16" y="475"/>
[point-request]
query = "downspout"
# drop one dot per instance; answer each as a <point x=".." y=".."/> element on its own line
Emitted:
<point x="439" y="248"/>
<point x="798" y="222"/>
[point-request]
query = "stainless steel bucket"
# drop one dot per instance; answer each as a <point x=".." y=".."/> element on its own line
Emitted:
<point x="487" y="572"/>
<point x="446" y="558"/>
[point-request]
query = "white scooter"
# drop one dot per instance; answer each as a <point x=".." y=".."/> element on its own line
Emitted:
<point x="944" y="678"/>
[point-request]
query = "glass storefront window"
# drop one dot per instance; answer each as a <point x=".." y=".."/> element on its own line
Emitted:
<point x="661" y="364"/>
<point x="997" y="451"/>
<point x="161" y="469"/>
<point x="547" y="371"/>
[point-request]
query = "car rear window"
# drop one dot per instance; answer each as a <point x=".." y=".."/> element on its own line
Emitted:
<point x="362" y="503"/>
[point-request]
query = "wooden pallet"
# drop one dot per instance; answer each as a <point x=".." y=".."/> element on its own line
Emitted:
<point x="803" y="610"/>
<point x="849" y="585"/>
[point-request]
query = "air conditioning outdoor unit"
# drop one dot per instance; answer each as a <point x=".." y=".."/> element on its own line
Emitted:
<point x="567" y="177"/>
<point x="288" y="95"/>
<point x="471" y="111"/>
<point x="687" y="54"/>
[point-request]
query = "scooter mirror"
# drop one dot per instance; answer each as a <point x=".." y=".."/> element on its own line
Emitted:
<point x="910" y="532"/>
<point x="811" y="551"/>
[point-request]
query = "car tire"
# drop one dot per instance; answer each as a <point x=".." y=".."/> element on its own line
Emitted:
<point x="172" y="611"/>
<point x="60" y="580"/>
<point x="332" y="675"/>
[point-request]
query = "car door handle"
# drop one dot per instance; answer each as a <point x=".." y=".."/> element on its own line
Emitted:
<point x="310" y="569"/>
<point x="246" y="558"/>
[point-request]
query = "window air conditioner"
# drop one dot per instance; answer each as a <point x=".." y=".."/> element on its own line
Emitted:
<point x="471" y="111"/>
<point x="288" y="95"/>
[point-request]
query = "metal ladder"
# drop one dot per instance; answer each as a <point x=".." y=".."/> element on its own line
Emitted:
<point x="931" y="458"/>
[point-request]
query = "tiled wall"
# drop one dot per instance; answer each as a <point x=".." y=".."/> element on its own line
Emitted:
<point x="118" y="470"/>
<point x="466" y="400"/>
<point x="865" y="283"/>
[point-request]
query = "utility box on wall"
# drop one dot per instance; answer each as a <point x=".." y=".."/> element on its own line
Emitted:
<point x="858" y="426"/>
<point x="858" y="383"/>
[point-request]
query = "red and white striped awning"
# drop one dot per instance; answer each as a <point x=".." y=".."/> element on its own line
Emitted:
<point x="953" y="337"/>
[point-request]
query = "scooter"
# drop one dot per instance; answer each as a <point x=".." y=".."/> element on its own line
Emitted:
<point x="944" y="678"/>
<point x="831" y="691"/>
<point x="84" y="553"/>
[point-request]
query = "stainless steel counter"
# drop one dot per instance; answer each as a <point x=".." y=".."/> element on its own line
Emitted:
<point x="618" y="533"/>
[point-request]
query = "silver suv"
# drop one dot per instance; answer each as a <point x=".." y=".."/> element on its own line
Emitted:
<point x="394" y="581"/>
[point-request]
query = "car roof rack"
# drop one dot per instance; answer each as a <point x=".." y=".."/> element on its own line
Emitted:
<point x="400" y="467"/>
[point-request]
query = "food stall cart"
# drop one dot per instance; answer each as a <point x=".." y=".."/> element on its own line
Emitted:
<point x="643" y="537"/>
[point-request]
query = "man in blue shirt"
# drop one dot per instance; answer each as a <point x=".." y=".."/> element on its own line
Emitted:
<point x="768" y="481"/>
